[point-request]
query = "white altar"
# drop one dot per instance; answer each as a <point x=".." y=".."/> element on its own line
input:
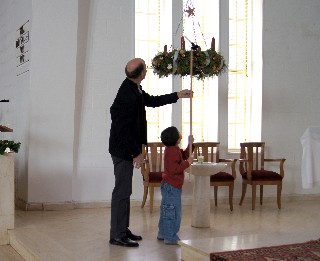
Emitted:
<point x="6" y="196"/>
<point x="310" y="167"/>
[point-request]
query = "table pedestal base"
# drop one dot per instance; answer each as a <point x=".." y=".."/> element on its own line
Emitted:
<point x="201" y="202"/>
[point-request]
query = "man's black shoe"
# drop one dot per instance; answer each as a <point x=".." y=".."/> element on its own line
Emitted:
<point x="124" y="241"/>
<point x="132" y="236"/>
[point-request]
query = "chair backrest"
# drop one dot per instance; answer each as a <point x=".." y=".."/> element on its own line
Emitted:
<point x="254" y="153"/>
<point x="155" y="153"/>
<point x="209" y="151"/>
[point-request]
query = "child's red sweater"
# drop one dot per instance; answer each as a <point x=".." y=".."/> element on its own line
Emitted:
<point x="175" y="162"/>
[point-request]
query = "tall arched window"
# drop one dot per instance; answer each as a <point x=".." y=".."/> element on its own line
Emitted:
<point x="153" y="30"/>
<point x="245" y="72"/>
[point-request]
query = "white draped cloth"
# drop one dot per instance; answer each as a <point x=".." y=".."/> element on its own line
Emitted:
<point x="310" y="167"/>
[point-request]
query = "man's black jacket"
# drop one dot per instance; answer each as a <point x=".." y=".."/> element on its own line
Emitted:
<point x="129" y="126"/>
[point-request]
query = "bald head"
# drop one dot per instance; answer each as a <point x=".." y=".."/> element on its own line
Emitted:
<point x="135" y="67"/>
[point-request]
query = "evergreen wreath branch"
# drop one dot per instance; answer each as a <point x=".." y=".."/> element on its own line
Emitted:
<point x="207" y="63"/>
<point x="13" y="146"/>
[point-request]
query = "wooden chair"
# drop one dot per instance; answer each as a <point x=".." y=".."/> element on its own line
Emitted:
<point x="253" y="172"/>
<point x="210" y="152"/>
<point x="152" y="169"/>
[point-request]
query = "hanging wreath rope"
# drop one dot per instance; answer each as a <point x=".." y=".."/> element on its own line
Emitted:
<point x="205" y="64"/>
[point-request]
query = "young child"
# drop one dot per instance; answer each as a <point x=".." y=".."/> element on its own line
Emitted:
<point x="175" y="162"/>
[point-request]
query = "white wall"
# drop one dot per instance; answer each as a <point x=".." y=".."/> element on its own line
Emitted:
<point x="109" y="45"/>
<point x="52" y="99"/>
<point x="291" y="62"/>
<point x="79" y="50"/>
<point x="13" y="14"/>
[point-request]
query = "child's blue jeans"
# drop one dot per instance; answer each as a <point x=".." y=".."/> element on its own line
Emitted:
<point x="170" y="213"/>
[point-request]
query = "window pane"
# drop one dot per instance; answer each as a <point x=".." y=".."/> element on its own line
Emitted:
<point x="245" y="72"/>
<point x="238" y="74"/>
<point x="200" y="29"/>
<point x="153" y="31"/>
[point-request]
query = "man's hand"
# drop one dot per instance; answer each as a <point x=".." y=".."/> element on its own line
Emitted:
<point x="138" y="161"/>
<point x="185" y="94"/>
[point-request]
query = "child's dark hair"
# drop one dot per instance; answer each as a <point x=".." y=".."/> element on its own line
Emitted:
<point x="170" y="136"/>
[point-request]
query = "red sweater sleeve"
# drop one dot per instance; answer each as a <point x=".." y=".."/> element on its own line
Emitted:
<point x="185" y="153"/>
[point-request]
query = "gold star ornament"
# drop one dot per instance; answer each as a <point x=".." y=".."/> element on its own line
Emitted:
<point x="190" y="11"/>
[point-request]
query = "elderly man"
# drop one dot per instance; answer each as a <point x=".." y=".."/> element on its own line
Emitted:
<point x="127" y="134"/>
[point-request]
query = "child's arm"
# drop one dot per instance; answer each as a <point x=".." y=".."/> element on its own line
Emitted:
<point x="186" y="152"/>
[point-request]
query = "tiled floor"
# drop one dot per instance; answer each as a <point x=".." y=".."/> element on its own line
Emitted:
<point x="7" y="253"/>
<point x="83" y="234"/>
